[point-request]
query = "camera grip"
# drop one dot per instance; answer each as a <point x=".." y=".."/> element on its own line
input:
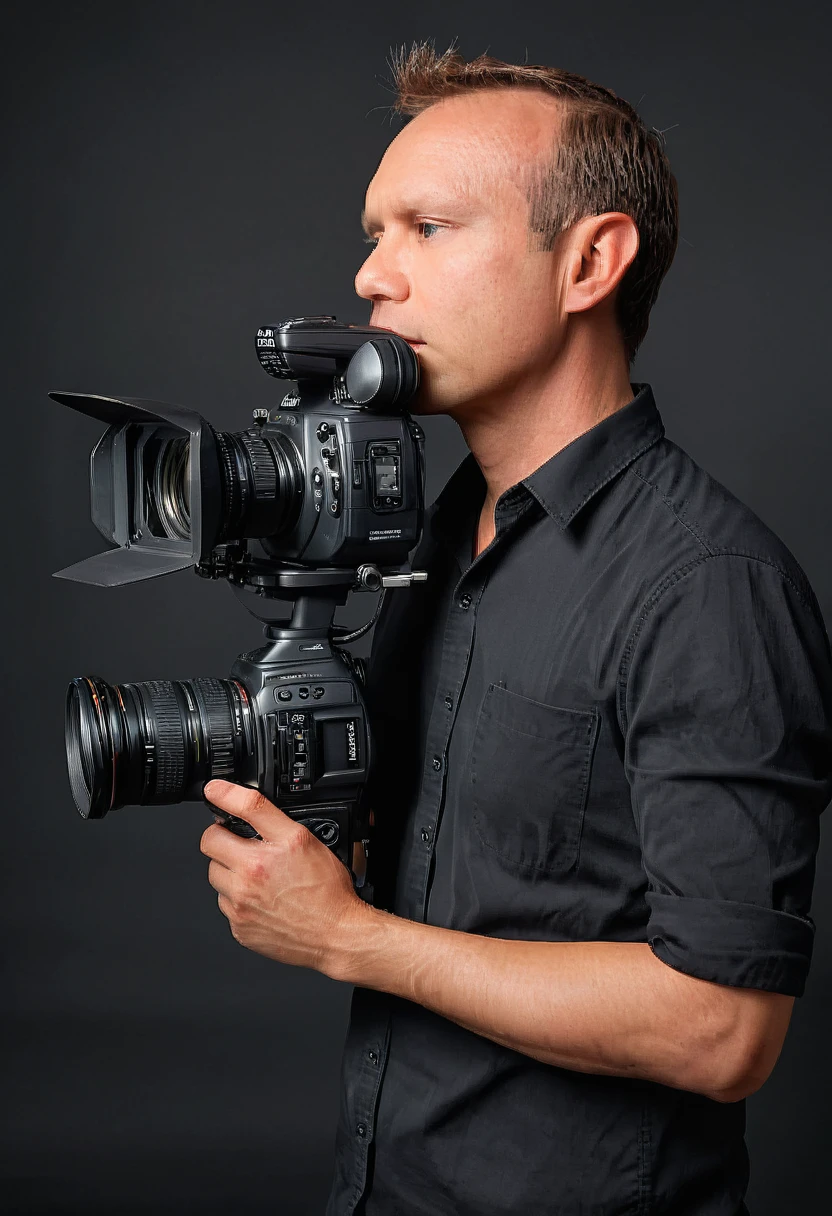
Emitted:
<point x="232" y="822"/>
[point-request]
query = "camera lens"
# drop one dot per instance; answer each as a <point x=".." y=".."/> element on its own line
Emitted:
<point x="156" y="742"/>
<point x="261" y="483"/>
<point x="262" y="476"/>
<point x="171" y="488"/>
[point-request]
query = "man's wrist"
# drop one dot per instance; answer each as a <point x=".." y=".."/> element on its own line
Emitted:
<point x="360" y="945"/>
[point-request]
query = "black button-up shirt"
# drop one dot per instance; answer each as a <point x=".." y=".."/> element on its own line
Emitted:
<point x="614" y="725"/>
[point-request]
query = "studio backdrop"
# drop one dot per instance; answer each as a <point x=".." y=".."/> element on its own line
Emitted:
<point x="176" y="175"/>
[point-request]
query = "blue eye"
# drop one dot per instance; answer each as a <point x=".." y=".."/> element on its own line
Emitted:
<point x="425" y="228"/>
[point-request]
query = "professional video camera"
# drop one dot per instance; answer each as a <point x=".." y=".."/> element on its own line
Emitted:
<point x="323" y="496"/>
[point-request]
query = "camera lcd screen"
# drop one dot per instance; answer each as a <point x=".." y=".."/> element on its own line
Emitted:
<point x="341" y="745"/>
<point x="387" y="475"/>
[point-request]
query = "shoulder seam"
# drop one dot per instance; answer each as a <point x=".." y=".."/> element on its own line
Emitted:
<point x="670" y="506"/>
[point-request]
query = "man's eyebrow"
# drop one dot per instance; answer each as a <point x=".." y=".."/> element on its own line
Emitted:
<point x="458" y="202"/>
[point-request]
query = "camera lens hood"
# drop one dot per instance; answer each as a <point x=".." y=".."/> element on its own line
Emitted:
<point x="115" y="505"/>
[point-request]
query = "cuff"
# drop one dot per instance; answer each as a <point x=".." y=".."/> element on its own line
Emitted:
<point x="741" y="945"/>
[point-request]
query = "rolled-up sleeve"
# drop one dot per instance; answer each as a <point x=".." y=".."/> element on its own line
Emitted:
<point x="727" y="708"/>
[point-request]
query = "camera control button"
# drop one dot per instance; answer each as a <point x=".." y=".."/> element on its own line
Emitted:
<point x="322" y="431"/>
<point x="318" y="692"/>
<point x="283" y="694"/>
<point x="317" y="477"/>
<point x="303" y="693"/>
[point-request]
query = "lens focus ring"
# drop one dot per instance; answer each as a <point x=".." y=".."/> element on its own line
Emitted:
<point x="261" y="462"/>
<point x="170" y="742"/>
<point x="220" y="731"/>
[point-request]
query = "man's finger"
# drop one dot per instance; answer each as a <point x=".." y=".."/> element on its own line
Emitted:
<point x="251" y="805"/>
<point x="223" y="846"/>
<point x="224" y="881"/>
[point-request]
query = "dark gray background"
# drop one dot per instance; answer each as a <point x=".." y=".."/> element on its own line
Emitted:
<point x="177" y="174"/>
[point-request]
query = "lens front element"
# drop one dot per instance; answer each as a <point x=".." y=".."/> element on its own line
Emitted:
<point x="171" y="488"/>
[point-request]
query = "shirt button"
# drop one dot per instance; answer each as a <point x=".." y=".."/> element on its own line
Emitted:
<point x="372" y="1057"/>
<point x="361" y="1130"/>
<point x="465" y="602"/>
<point x="449" y="703"/>
<point x="426" y="834"/>
<point x="437" y="762"/>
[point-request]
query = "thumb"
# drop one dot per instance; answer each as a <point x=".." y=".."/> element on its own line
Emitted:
<point x="248" y="804"/>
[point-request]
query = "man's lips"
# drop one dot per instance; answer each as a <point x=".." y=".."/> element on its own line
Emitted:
<point x="410" y="341"/>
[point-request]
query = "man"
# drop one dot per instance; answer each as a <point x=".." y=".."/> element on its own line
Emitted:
<point x="604" y="722"/>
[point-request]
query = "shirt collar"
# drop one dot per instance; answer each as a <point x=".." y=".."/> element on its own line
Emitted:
<point x="570" y="478"/>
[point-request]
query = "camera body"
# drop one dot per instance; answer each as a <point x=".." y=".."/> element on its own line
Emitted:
<point x="320" y="497"/>
<point x="313" y="744"/>
<point x="361" y="497"/>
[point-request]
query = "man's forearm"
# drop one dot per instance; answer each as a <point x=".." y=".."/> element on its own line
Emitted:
<point x="601" y="1007"/>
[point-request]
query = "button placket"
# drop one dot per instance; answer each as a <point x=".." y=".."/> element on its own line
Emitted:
<point x="372" y="1030"/>
<point x="457" y="653"/>
<point x="456" y="660"/>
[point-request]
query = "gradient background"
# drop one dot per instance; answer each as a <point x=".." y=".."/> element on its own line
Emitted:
<point x="175" y="175"/>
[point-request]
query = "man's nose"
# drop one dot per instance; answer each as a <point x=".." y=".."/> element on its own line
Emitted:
<point x="381" y="279"/>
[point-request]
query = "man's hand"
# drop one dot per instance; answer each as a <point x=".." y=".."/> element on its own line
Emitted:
<point x="286" y="896"/>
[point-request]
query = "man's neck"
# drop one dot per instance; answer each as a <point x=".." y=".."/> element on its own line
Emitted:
<point x="512" y="437"/>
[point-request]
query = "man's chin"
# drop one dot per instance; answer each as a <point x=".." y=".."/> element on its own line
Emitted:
<point x="433" y="398"/>
<point x="434" y="395"/>
<point x="425" y="403"/>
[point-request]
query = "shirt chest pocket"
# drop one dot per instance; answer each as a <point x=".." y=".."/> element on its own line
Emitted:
<point x="530" y="766"/>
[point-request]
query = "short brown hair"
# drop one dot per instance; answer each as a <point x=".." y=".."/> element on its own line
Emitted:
<point x="606" y="159"/>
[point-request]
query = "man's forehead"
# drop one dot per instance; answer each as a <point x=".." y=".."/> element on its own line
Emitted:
<point x="426" y="182"/>
<point x="462" y="148"/>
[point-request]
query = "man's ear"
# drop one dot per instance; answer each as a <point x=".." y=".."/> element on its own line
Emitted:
<point x="601" y="250"/>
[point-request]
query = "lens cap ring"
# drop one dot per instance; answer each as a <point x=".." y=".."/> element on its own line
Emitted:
<point x="90" y="750"/>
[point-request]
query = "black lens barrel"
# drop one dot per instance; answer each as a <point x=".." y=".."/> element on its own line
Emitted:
<point x="155" y="742"/>
<point x="262" y="483"/>
<point x="261" y="477"/>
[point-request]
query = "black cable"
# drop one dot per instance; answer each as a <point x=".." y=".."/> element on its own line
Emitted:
<point x="343" y="637"/>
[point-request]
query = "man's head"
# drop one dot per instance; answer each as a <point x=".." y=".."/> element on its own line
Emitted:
<point x="518" y="206"/>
